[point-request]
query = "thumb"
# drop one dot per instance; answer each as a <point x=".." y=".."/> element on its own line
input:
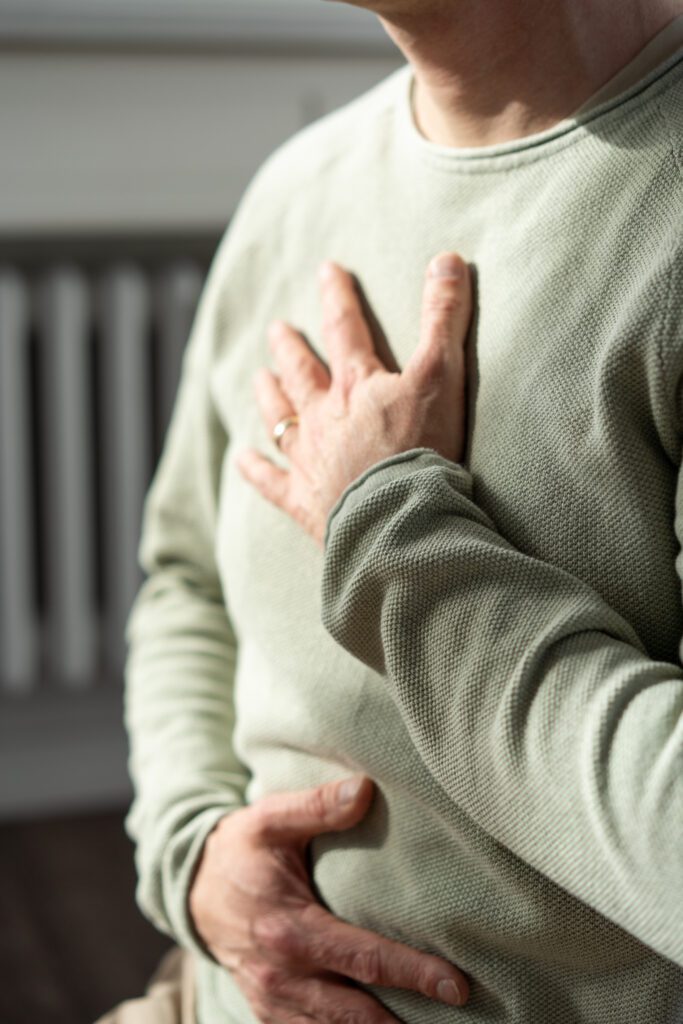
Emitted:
<point x="446" y="315"/>
<point x="294" y="818"/>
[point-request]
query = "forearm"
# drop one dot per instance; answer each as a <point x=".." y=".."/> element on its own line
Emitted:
<point x="182" y="650"/>
<point x="530" y="700"/>
<point x="180" y="719"/>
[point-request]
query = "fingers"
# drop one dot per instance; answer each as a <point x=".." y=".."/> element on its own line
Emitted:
<point x="315" y="938"/>
<point x="271" y="481"/>
<point x="278" y="487"/>
<point x="301" y="373"/>
<point x="279" y="995"/>
<point x="347" y="336"/>
<point x="275" y="406"/>
<point x="294" y="818"/>
<point x="446" y="315"/>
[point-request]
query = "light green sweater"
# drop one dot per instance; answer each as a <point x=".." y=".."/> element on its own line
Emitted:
<point x="518" y="695"/>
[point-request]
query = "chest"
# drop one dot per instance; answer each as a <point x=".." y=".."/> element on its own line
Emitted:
<point x="562" y="436"/>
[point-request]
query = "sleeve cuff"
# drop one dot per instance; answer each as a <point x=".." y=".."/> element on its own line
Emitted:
<point x="179" y="868"/>
<point x="396" y="467"/>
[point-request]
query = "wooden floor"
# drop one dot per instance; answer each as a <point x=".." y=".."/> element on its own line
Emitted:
<point x="72" y="942"/>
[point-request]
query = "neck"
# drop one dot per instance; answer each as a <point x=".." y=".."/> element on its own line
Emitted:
<point x="520" y="68"/>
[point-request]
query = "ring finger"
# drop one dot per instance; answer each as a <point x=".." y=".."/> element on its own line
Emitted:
<point x="275" y="406"/>
<point x="302" y="373"/>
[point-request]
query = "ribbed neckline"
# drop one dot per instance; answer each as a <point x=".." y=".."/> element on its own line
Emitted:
<point x="506" y="155"/>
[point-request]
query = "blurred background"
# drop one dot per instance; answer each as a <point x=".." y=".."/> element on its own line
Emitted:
<point x="129" y="129"/>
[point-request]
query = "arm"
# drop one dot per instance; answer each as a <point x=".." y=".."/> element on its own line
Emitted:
<point x="530" y="700"/>
<point x="178" y="702"/>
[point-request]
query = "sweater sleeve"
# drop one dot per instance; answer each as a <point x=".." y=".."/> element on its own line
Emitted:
<point x="178" y="698"/>
<point x="532" y="703"/>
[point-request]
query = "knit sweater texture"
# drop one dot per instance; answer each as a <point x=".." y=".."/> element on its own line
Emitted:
<point x="496" y="644"/>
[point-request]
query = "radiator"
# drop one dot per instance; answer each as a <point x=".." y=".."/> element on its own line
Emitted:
<point x="89" y="365"/>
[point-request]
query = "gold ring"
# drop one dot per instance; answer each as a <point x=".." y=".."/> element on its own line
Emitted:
<point x="281" y="428"/>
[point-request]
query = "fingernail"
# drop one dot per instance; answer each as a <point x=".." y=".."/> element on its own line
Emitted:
<point x="446" y="265"/>
<point x="448" y="992"/>
<point x="349" y="790"/>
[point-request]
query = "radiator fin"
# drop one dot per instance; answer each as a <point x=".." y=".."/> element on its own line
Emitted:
<point x="177" y="297"/>
<point x="125" y="389"/>
<point x="19" y="653"/>
<point x="89" y="367"/>
<point x="64" y="357"/>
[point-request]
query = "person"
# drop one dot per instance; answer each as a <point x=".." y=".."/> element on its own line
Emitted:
<point x="404" y="690"/>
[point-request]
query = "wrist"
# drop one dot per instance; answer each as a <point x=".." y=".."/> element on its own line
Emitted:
<point x="388" y="470"/>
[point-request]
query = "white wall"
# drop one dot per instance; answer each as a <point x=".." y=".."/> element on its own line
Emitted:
<point x="119" y="141"/>
<point x="210" y="21"/>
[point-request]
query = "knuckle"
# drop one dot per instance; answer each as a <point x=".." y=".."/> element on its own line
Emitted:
<point x="443" y="300"/>
<point x="268" y="979"/>
<point x="274" y="933"/>
<point x="295" y="363"/>
<point x="338" y="318"/>
<point x="314" y="918"/>
<point x="423" y="979"/>
<point x="318" y="803"/>
<point x="350" y="375"/>
<point x="366" y="966"/>
<point x="300" y="364"/>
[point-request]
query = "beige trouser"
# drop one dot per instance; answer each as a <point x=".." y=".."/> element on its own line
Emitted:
<point x="169" y="998"/>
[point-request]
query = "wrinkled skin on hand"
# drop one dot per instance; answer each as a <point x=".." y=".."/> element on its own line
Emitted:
<point x="360" y="411"/>
<point x="253" y="906"/>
